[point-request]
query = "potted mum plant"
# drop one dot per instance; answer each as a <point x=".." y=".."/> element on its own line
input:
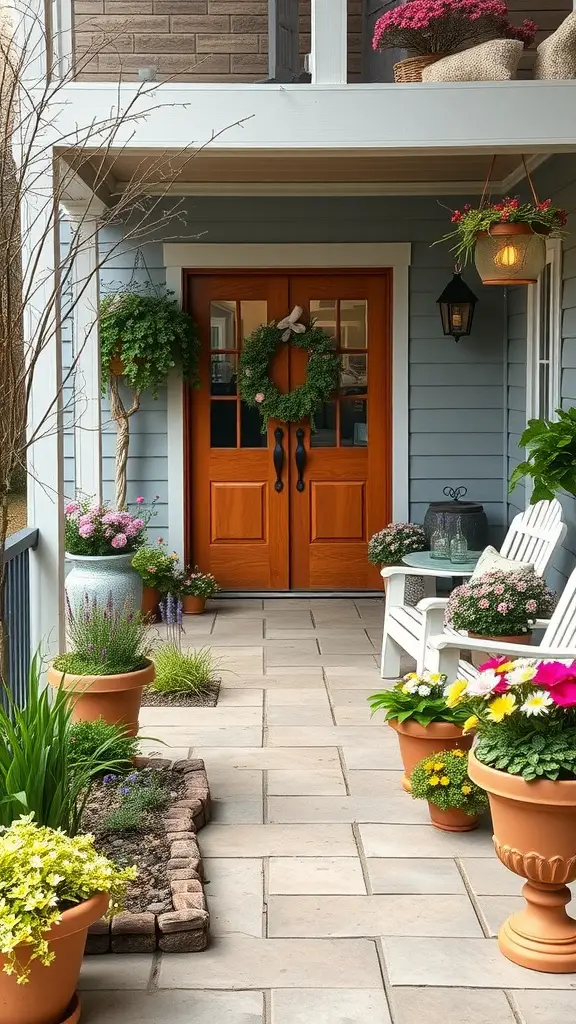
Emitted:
<point x="388" y="547"/>
<point x="100" y="544"/>
<point x="194" y="588"/>
<point x="53" y="888"/>
<point x="108" y="665"/>
<point x="454" y="801"/>
<point x="432" y="30"/>
<point x="500" y="605"/>
<point x="507" y="238"/>
<point x="525" y="758"/>
<point x="144" y="336"/>
<point x="425" y="716"/>
<point x="551" y="462"/>
<point x="156" y="569"/>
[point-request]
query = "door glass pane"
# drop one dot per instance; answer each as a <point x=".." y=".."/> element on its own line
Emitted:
<point x="353" y="323"/>
<point x="325" y="313"/>
<point x="251" y="435"/>
<point x="353" y="377"/>
<point x="353" y="430"/>
<point x="325" y="434"/>
<point x="223" y="424"/>
<point x="223" y="374"/>
<point x="223" y="324"/>
<point x="253" y="312"/>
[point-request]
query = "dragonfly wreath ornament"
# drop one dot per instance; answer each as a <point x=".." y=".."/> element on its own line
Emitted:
<point x="322" y="375"/>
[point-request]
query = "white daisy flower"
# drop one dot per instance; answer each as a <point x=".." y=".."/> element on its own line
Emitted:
<point x="537" y="703"/>
<point x="424" y="691"/>
<point x="521" y="674"/>
<point x="484" y="683"/>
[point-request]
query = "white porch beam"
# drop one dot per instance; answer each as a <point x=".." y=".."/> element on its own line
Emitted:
<point x="85" y="284"/>
<point x="62" y="38"/>
<point x="329" y="42"/>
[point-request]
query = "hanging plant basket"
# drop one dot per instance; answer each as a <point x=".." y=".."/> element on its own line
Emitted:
<point x="410" y="70"/>
<point x="510" y="254"/>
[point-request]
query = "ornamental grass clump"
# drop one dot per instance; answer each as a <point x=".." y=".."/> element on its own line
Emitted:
<point x="105" y="640"/>
<point x="524" y="712"/>
<point x="443" y="780"/>
<point x="43" y="872"/>
<point x="419" y="698"/>
<point x="180" y="671"/>
<point x="543" y="217"/>
<point x="388" y="546"/>
<point x="92" y="529"/>
<point x="444" y="26"/>
<point x="499" y="604"/>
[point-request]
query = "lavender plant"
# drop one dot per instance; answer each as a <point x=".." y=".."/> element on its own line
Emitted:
<point x="171" y="614"/>
<point x="105" y="640"/>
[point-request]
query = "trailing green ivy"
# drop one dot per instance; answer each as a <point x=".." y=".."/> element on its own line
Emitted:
<point x="258" y="391"/>
<point x="151" y="335"/>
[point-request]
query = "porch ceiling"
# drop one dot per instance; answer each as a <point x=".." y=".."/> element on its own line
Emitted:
<point x="326" y="172"/>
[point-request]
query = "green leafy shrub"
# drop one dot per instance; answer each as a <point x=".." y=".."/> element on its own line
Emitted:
<point x="420" y="699"/>
<point x="105" y="641"/>
<point x="88" y="740"/>
<point x="42" y="872"/>
<point x="183" y="672"/>
<point x="443" y="780"/>
<point x="38" y="775"/>
<point x="551" y="461"/>
<point x="156" y="567"/>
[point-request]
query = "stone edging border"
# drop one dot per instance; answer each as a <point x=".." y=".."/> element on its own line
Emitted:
<point x="184" y="929"/>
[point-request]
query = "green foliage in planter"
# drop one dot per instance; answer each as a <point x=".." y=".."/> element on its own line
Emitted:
<point x="183" y="671"/>
<point x="420" y="699"/>
<point x="88" y="740"/>
<point x="151" y="335"/>
<point x="541" y="754"/>
<point x="443" y="780"/>
<point x="105" y="641"/>
<point x="551" y="460"/>
<point x="140" y="794"/>
<point x="156" y="567"/>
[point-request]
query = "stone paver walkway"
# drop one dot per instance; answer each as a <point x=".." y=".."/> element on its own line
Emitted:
<point x="332" y="898"/>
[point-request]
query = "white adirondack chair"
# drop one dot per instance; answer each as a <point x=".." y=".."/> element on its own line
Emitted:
<point x="532" y="537"/>
<point x="558" y="642"/>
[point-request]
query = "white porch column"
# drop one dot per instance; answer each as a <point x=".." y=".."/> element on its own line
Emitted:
<point x="42" y="340"/>
<point x="85" y="285"/>
<point x="329" y="43"/>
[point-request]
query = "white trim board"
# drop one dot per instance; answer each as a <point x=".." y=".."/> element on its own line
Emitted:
<point x="396" y="256"/>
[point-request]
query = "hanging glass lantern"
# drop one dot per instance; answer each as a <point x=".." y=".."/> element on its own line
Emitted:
<point x="510" y="254"/>
<point x="457" y="304"/>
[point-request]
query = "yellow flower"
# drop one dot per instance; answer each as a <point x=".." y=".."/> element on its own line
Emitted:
<point x="438" y="766"/>
<point x="434" y="780"/>
<point x="429" y="766"/>
<point x="434" y="677"/>
<point x="411" y="675"/>
<point x="501" y="707"/>
<point x="454" y="692"/>
<point x="444" y="781"/>
<point x="505" y="667"/>
<point x="406" y="688"/>
<point x="466" y="790"/>
<point x="470" y="723"/>
<point x="459" y="753"/>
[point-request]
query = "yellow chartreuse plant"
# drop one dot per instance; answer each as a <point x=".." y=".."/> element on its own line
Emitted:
<point x="43" y="871"/>
<point x="443" y="780"/>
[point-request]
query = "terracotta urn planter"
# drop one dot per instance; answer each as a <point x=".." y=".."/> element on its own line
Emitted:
<point x="510" y="254"/>
<point x="116" y="698"/>
<point x="452" y="820"/>
<point x="535" y="836"/>
<point x="418" y="741"/>
<point x="192" y="605"/>
<point x="50" y="995"/>
<point x="150" y="599"/>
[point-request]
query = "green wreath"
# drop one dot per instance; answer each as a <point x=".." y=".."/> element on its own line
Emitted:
<point x="322" y="377"/>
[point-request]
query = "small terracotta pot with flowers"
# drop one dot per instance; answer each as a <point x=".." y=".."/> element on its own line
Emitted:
<point x="425" y="717"/>
<point x="194" y="588"/>
<point x="157" y="570"/>
<point x="507" y="239"/>
<point x="525" y="758"/>
<point x="454" y="801"/>
<point x="431" y="30"/>
<point x="499" y="606"/>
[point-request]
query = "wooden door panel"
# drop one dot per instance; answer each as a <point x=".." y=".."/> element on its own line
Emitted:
<point x="238" y="511"/>
<point x="337" y="510"/>
<point x="343" y="562"/>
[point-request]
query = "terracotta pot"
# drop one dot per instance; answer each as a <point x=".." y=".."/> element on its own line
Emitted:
<point x="418" y="741"/>
<point x="49" y="997"/>
<point x="193" y="605"/>
<point x="150" y="599"/>
<point x="534" y="836"/>
<point x="116" y="699"/>
<point x="516" y="638"/>
<point x="452" y="820"/>
<point x="510" y="254"/>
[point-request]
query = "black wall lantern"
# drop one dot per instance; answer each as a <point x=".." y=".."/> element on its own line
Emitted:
<point x="457" y="304"/>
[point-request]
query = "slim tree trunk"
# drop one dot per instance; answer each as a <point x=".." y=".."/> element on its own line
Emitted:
<point x="121" y="415"/>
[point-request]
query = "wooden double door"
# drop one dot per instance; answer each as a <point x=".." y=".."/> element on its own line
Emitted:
<point x="291" y="508"/>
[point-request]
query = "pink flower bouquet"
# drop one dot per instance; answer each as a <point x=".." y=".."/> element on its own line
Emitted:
<point x="444" y="26"/>
<point x="388" y="546"/>
<point x="92" y="529"/>
<point x="499" y="604"/>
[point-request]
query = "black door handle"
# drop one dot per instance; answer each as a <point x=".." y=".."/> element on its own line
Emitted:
<point x="300" y="459"/>
<point x="278" y="458"/>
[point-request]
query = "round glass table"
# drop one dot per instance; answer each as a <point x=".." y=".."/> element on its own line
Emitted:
<point x="442" y="566"/>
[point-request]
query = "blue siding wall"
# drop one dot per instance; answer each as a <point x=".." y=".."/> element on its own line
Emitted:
<point x="457" y="424"/>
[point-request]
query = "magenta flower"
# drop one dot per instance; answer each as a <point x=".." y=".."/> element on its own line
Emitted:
<point x="552" y="673"/>
<point x="564" y="694"/>
<point x="493" y="663"/>
<point x="140" y="500"/>
<point x="71" y="508"/>
<point x="119" y="541"/>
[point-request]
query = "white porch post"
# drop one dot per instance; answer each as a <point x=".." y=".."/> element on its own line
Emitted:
<point x="85" y="284"/>
<point x="329" y="43"/>
<point x="42" y="340"/>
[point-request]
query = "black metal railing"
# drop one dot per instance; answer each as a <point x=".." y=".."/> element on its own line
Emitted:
<point x="17" y="610"/>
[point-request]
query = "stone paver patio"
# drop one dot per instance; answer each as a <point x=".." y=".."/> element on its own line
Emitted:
<point x="332" y="898"/>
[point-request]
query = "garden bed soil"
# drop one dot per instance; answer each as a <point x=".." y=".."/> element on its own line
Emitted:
<point x="165" y="907"/>
<point x="207" y="699"/>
